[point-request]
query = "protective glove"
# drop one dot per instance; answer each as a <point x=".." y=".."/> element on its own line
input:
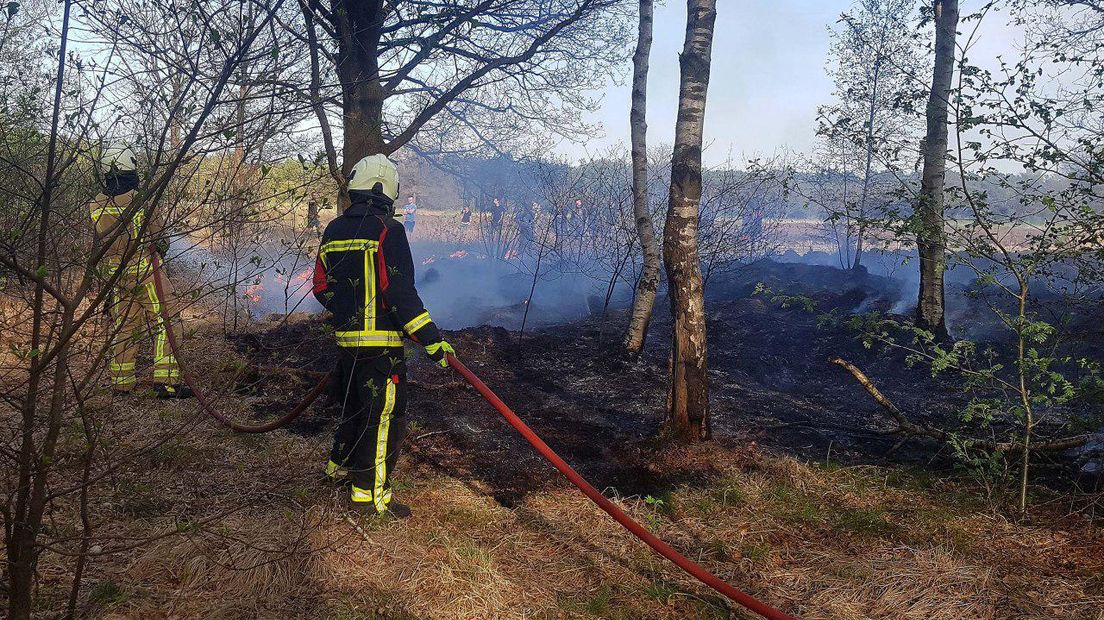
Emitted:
<point x="162" y="247"/>
<point x="438" y="352"/>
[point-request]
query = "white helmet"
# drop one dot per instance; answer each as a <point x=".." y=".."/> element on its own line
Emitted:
<point x="372" y="170"/>
<point x="118" y="158"/>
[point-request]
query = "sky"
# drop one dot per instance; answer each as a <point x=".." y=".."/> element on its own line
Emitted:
<point x="767" y="77"/>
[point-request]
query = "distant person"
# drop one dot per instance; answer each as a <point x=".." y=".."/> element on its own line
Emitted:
<point x="410" y="211"/>
<point x="525" y="218"/>
<point x="314" y="222"/>
<point x="496" y="215"/>
<point x="465" y="216"/>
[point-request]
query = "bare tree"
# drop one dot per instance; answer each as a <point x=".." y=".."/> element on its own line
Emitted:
<point x="876" y="67"/>
<point x="56" y="423"/>
<point x="444" y="76"/>
<point x="689" y="394"/>
<point x="932" y="239"/>
<point x="648" y="282"/>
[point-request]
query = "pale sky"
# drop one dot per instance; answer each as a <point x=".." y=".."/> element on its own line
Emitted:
<point x="767" y="77"/>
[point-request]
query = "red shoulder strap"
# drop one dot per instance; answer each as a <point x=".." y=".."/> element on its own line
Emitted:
<point x="381" y="262"/>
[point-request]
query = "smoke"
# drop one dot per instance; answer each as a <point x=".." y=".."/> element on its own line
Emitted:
<point x="464" y="287"/>
<point x="261" y="278"/>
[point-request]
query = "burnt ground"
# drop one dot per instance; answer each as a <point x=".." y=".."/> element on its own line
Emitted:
<point x="771" y="384"/>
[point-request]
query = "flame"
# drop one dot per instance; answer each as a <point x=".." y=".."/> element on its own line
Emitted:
<point x="253" y="293"/>
<point x="458" y="254"/>
<point x="300" y="278"/>
<point x="429" y="261"/>
<point x="510" y="254"/>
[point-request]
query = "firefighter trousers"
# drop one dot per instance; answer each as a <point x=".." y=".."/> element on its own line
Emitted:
<point x="372" y="394"/>
<point x="136" y="310"/>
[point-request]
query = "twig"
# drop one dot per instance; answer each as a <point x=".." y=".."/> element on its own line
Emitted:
<point x="906" y="427"/>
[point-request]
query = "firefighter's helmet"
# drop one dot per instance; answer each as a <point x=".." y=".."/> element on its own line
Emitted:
<point x="372" y="170"/>
<point x="118" y="158"/>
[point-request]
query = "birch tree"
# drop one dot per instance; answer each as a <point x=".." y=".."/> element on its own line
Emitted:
<point x="688" y="399"/>
<point x="648" y="283"/>
<point x="932" y="237"/>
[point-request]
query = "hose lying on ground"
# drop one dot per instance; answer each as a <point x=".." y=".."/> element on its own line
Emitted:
<point x="611" y="509"/>
<point x="200" y="396"/>
<point x="667" y="551"/>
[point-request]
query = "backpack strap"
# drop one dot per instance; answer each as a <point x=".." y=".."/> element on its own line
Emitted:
<point x="381" y="264"/>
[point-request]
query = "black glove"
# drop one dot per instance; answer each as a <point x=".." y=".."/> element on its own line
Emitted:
<point x="162" y="247"/>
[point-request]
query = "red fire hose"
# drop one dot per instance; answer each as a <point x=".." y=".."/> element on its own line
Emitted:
<point x="667" y="551"/>
<point x="200" y="397"/>
<point x="611" y="509"/>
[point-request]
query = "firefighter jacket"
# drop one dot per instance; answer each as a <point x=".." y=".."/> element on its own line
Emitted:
<point x="123" y="228"/>
<point x="364" y="276"/>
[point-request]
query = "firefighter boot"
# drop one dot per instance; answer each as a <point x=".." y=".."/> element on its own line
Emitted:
<point x="178" y="390"/>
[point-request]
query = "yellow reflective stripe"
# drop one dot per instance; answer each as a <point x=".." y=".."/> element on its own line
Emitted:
<point x="333" y="470"/>
<point x="98" y="212"/>
<point x="370" y="289"/>
<point x="369" y="339"/>
<point x="122" y="365"/>
<point x="348" y="245"/>
<point x="159" y="342"/>
<point x="417" y="323"/>
<point x="361" y="495"/>
<point x="142" y="267"/>
<point x="381" y="446"/>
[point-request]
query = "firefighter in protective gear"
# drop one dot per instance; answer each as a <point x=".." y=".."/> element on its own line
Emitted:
<point x="364" y="275"/>
<point x="129" y="232"/>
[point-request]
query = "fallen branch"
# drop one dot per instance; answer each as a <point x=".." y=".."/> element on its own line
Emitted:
<point x="909" y="428"/>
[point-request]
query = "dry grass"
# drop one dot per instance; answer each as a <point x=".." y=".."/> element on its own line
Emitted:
<point x="822" y="543"/>
<point x="256" y="534"/>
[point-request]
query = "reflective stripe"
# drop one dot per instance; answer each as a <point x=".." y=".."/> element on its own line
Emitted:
<point x="369" y="338"/>
<point x="121" y="366"/>
<point x="98" y="212"/>
<point x="369" y="248"/>
<point x="369" y="290"/>
<point x="382" y="499"/>
<point x="333" y="470"/>
<point x="417" y="323"/>
<point x="160" y="358"/>
<point x="361" y="496"/>
<point x="113" y="209"/>
<point x="348" y="245"/>
<point x="142" y="267"/>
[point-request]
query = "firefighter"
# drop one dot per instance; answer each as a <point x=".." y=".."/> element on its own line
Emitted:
<point x="134" y="300"/>
<point x="364" y="276"/>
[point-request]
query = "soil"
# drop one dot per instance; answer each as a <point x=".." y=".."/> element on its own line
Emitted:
<point x="772" y="387"/>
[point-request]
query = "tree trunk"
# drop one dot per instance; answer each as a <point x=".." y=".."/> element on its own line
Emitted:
<point x="932" y="240"/>
<point x="359" y="25"/>
<point x="869" y="162"/>
<point x="646" y="286"/>
<point x="689" y="395"/>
